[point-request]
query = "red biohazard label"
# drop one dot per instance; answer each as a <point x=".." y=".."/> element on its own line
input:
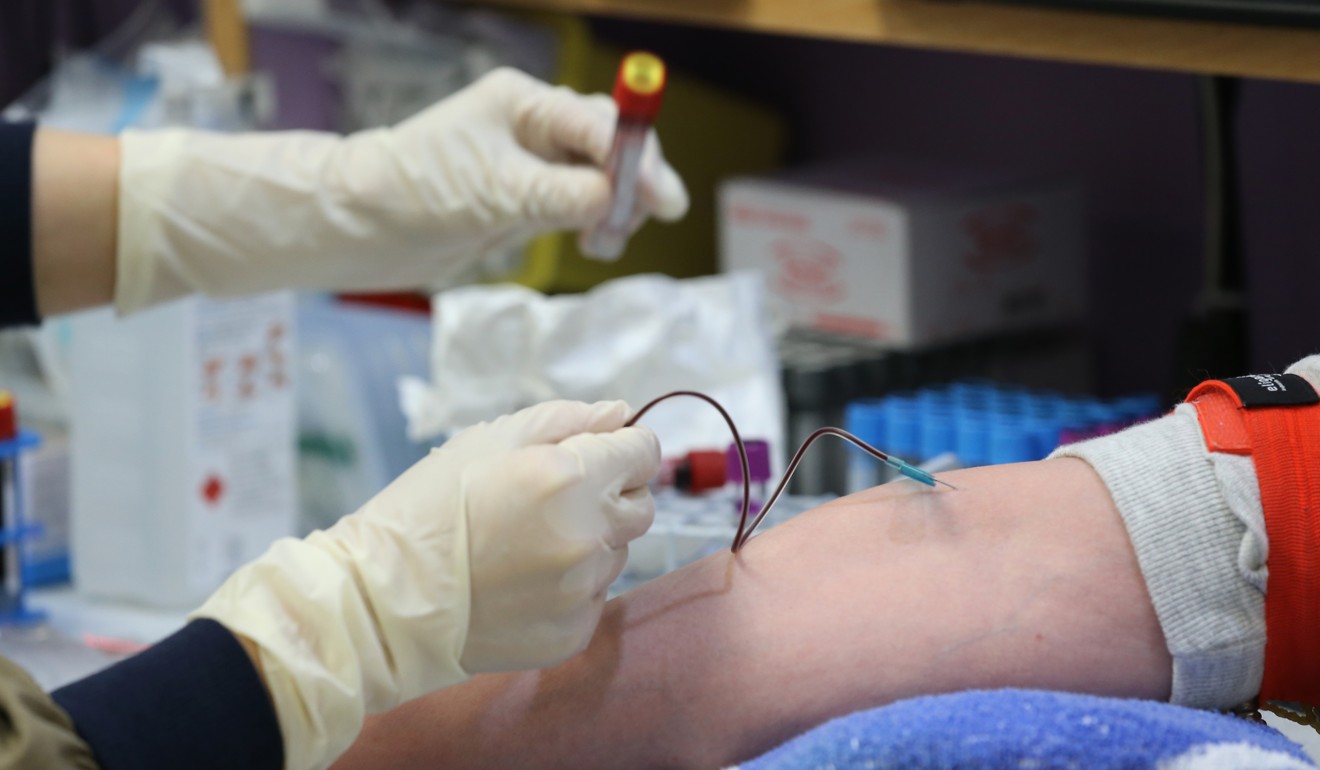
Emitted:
<point x="808" y="269"/>
<point x="871" y="228"/>
<point x="774" y="219"/>
<point x="213" y="489"/>
<point x="1002" y="236"/>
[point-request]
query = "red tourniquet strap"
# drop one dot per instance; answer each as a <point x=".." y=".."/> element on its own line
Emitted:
<point x="1284" y="442"/>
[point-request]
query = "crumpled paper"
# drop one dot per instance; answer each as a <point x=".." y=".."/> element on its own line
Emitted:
<point x="497" y="349"/>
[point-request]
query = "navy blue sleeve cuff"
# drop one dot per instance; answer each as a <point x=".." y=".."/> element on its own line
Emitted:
<point x="194" y="700"/>
<point x="18" y="299"/>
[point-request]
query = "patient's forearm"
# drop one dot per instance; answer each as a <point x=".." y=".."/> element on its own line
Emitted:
<point x="1022" y="577"/>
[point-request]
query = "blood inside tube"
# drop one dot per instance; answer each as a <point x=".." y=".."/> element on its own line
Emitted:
<point x="624" y="170"/>
<point x="638" y="92"/>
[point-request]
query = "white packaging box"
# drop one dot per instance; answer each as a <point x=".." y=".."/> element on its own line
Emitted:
<point x="183" y="436"/>
<point x="909" y="255"/>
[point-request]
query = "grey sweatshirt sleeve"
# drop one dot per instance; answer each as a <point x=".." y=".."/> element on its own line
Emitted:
<point x="1197" y="527"/>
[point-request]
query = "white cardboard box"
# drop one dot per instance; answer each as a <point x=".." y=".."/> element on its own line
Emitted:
<point x="908" y="255"/>
<point x="183" y="445"/>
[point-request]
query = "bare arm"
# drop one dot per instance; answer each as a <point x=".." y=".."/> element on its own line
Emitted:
<point x="75" y="190"/>
<point x="1023" y="577"/>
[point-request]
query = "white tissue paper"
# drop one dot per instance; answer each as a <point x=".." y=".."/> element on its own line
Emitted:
<point x="497" y="349"/>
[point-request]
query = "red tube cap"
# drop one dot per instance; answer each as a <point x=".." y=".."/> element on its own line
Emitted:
<point x="8" y="418"/>
<point x="639" y="88"/>
<point x="706" y="469"/>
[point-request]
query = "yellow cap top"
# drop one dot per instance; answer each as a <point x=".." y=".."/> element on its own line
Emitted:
<point x="6" y="399"/>
<point x="643" y="73"/>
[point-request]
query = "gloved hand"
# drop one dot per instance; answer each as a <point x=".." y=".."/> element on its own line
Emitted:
<point x="492" y="553"/>
<point x="404" y="207"/>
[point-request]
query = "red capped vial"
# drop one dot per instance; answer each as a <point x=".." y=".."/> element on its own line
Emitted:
<point x="639" y="89"/>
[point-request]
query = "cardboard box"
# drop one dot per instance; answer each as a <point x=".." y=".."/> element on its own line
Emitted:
<point x="183" y="445"/>
<point x="909" y="254"/>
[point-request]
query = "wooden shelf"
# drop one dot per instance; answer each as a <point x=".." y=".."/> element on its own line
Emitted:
<point x="1072" y="36"/>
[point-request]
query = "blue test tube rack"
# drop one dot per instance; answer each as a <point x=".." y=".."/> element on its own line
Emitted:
<point x="15" y="532"/>
<point x="984" y="423"/>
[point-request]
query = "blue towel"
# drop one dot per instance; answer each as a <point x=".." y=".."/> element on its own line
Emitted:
<point x="1030" y="730"/>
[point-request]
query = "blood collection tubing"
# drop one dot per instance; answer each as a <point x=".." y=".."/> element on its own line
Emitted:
<point x="639" y="90"/>
<point x="744" y="532"/>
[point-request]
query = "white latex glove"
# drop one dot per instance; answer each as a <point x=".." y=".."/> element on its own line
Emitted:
<point x="405" y="207"/>
<point x="492" y="553"/>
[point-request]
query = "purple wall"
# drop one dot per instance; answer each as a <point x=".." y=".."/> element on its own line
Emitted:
<point x="306" y="97"/>
<point x="1131" y="135"/>
<point x="1280" y="167"/>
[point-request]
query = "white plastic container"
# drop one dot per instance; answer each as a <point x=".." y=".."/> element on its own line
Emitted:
<point x="183" y="445"/>
<point x="909" y="254"/>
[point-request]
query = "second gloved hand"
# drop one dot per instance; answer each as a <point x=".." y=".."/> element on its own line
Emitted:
<point x="493" y="553"/>
<point x="406" y="207"/>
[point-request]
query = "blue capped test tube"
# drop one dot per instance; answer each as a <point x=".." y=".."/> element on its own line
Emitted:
<point x="14" y="529"/>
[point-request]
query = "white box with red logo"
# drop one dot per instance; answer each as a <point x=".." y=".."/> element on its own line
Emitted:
<point x="909" y="254"/>
<point x="183" y="445"/>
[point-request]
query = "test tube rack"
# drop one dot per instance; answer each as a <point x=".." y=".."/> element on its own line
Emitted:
<point x="14" y="532"/>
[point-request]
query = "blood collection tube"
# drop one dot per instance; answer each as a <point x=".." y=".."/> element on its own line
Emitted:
<point x="758" y="469"/>
<point x="700" y="471"/>
<point x="13" y="529"/>
<point x="639" y="90"/>
<point x="10" y="588"/>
